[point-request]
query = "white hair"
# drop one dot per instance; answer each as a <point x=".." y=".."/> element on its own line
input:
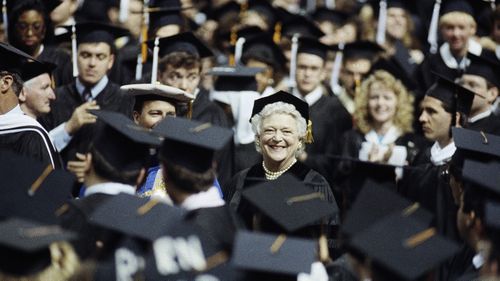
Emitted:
<point x="278" y="108"/>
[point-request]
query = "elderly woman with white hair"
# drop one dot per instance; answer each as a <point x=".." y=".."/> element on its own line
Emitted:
<point x="282" y="129"/>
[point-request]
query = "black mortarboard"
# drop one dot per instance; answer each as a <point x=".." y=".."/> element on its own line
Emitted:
<point x="492" y="215"/>
<point x="97" y="32"/>
<point x="484" y="67"/>
<point x="290" y="203"/>
<point x="221" y="11"/>
<point x="451" y="94"/>
<point x="264" y="8"/>
<point x="35" y="191"/>
<point x="301" y="106"/>
<point x="182" y="42"/>
<point x="13" y="59"/>
<point x="484" y="174"/>
<point x="404" y="246"/>
<point x="477" y="142"/>
<point x="25" y="245"/>
<point x="463" y="6"/>
<point x="396" y="4"/>
<point x="191" y="144"/>
<point x="324" y="14"/>
<point x="312" y="46"/>
<point x="35" y="68"/>
<point x="136" y="217"/>
<point x="362" y="49"/>
<point x="238" y="78"/>
<point x="396" y="71"/>
<point x="376" y="201"/>
<point x="162" y="13"/>
<point x="262" y="48"/>
<point x="24" y="5"/>
<point x="122" y="143"/>
<point x="259" y="252"/>
<point x="157" y="90"/>
<point x="302" y="26"/>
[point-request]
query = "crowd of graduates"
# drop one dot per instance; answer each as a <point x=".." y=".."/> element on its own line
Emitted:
<point x="250" y="140"/>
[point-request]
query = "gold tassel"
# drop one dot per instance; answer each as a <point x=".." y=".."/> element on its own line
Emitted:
<point x="144" y="47"/>
<point x="189" y="114"/>
<point x="243" y="8"/>
<point x="309" y="132"/>
<point x="233" y="37"/>
<point x="277" y="33"/>
<point x="324" y="253"/>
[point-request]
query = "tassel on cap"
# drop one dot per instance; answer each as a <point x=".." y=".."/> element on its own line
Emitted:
<point x="189" y="113"/>
<point x="433" y="28"/>
<point x="277" y="33"/>
<point x="337" y="64"/>
<point x="5" y="20"/>
<point x="74" y="51"/>
<point x="309" y="132"/>
<point x="154" y="70"/>
<point x="382" y="22"/>
<point x="238" y="50"/>
<point x="293" y="62"/>
<point x="123" y="15"/>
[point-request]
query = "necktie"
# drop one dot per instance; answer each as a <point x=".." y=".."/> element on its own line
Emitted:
<point x="87" y="94"/>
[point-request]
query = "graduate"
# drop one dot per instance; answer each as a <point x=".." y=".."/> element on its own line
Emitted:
<point x="69" y="121"/>
<point x="19" y="132"/>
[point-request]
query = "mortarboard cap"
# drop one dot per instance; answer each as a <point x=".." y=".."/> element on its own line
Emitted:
<point x="396" y="71"/>
<point x="484" y="174"/>
<point x="166" y="12"/>
<point x="122" y="143"/>
<point x="290" y="203"/>
<point x="191" y="144"/>
<point x="136" y="217"/>
<point x="97" y="32"/>
<point x="451" y="94"/>
<point x="263" y="8"/>
<point x="362" y="49"/>
<point x="322" y="14"/>
<point x="13" y="59"/>
<point x="158" y="91"/>
<point x="231" y="7"/>
<point x="404" y="246"/>
<point x="463" y="6"/>
<point x="374" y="202"/>
<point x="492" y="214"/>
<point x="484" y="67"/>
<point x="182" y="42"/>
<point x="238" y="78"/>
<point x="301" y="106"/>
<point x="35" y="191"/>
<point x="476" y="142"/>
<point x="262" y="48"/>
<point x="25" y="245"/>
<point x="302" y="26"/>
<point x="259" y="252"/>
<point x="18" y="6"/>
<point x="312" y="46"/>
<point x="35" y="68"/>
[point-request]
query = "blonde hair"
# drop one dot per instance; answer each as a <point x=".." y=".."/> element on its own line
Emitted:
<point x="64" y="263"/>
<point x="403" y="118"/>
<point x="453" y="17"/>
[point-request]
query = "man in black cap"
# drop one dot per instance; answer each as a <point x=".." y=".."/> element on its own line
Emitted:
<point x="187" y="159"/>
<point x="18" y="132"/>
<point x="37" y="93"/>
<point x="91" y="90"/>
<point x="481" y="77"/>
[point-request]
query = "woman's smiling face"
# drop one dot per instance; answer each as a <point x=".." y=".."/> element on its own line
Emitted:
<point x="279" y="139"/>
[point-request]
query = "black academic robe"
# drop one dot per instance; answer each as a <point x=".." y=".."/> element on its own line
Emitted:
<point x="328" y="122"/>
<point x="489" y="125"/>
<point x="219" y="224"/>
<point x="205" y="110"/>
<point x="433" y="63"/>
<point x="426" y="185"/>
<point x="63" y="74"/>
<point x="255" y="175"/>
<point x="30" y="141"/>
<point x="76" y="218"/>
<point x="68" y="99"/>
<point x="459" y="266"/>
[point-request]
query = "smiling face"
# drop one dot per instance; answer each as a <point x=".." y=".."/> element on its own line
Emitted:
<point x="456" y="29"/>
<point x="153" y="111"/>
<point x="397" y="24"/>
<point x="382" y="104"/>
<point x="279" y="140"/>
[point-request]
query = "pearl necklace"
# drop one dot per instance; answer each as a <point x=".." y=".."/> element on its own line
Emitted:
<point x="274" y="175"/>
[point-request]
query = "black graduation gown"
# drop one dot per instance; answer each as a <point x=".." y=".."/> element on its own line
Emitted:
<point x="459" y="266"/>
<point x="219" y="224"/>
<point x="204" y="110"/>
<point x="63" y="74"/>
<point x="328" y="121"/>
<point x="76" y="218"/>
<point x="68" y="99"/>
<point x="255" y="175"/>
<point x="489" y="125"/>
<point x="425" y="184"/>
<point x="32" y="142"/>
<point x="433" y="63"/>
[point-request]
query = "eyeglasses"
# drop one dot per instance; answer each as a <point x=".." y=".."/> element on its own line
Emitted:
<point x="35" y="27"/>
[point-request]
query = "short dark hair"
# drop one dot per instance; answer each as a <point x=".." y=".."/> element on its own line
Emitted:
<point x="179" y="60"/>
<point x="105" y="169"/>
<point x="188" y="180"/>
<point x="139" y="101"/>
<point x="17" y="81"/>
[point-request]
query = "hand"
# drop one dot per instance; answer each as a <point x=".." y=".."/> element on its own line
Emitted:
<point x="81" y="117"/>
<point x="80" y="166"/>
